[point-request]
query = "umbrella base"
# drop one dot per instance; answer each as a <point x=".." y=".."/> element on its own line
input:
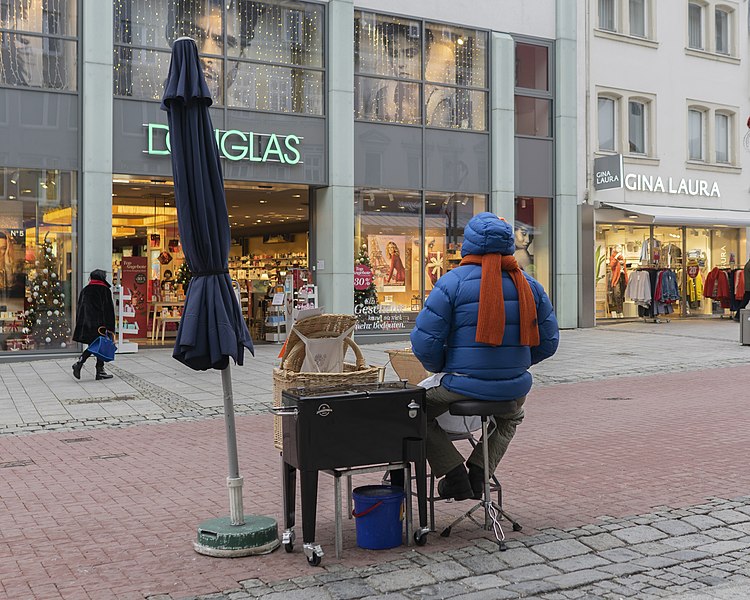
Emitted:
<point x="219" y="538"/>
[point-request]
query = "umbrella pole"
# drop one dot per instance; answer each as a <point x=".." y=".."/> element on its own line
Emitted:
<point x="234" y="481"/>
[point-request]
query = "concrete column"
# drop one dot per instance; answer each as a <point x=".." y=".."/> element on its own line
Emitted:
<point x="95" y="213"/>
<point x="567" y="226"/>
<point x="502" y="126"/>
<point x="334" y="205"/>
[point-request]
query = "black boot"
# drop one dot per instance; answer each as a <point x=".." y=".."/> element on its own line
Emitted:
<point x="101" y="373"/>
<point x="455" y="484"/>
<point x="77" y="366"/>
<point x="476" y="478"/>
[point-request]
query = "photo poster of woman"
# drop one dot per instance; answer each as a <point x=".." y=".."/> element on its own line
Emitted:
<point x="12" y="258"/>
<point x="388" y="257"/>
<point x="434" y="260"/>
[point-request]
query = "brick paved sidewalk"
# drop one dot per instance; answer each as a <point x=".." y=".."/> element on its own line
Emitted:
<point x="111" y="513"/>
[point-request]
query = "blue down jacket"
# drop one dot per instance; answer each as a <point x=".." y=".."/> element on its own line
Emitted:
<point x="444" y="336"/>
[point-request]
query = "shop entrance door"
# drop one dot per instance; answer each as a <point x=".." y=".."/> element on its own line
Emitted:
<point x="269" y="254"/>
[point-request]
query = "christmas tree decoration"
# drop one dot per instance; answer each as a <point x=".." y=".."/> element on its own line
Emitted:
<point x="365" y="293"/>
<point x="183" y="275"/>
<point x="44" y="320"/>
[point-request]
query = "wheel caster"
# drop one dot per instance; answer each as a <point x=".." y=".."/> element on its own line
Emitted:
<point x="287" y="539"/>
<point x="517" y="527"/>
<point x="289" y="547"/>
<point x="314" y="560"/>
<point x="420" y="538"/>
<point x="446" y="532"/>
<point x="502" y="546"/>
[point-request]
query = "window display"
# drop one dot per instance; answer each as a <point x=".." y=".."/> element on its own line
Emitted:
<point x="255" y="55"/>
<point x="397" y="262"/>
<point x="533" y="226"/>
<point x="650" y="271"/>
<point x="37" y="44"/>
<point x="37" y="250"/>
<point x="390" y="66"/>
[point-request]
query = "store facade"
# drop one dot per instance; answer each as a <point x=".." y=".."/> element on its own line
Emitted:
<point x="356" y="145"/>
<point x="650" y="226"/>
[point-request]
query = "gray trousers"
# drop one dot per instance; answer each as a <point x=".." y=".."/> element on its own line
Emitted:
<point x="442" y="454"/>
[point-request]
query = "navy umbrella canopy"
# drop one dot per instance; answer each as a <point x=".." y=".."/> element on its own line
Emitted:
<point x="212" y="328"/>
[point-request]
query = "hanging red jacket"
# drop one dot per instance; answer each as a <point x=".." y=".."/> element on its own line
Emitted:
<point x="739" y="284"/>
<point x="717" y="287"/>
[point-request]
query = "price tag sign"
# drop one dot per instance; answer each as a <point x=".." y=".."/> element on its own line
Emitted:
<point x="362" y="277"/>
<point x="278" y="299"/>
<point x="693" y="271"/>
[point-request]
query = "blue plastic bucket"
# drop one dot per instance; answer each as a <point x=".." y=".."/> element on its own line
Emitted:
<point x="379" y="512"/>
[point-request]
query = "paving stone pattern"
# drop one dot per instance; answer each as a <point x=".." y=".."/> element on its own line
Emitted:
<point x="587" y="562"/>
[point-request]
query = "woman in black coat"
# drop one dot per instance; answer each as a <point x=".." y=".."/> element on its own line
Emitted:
<point x="95" y="310"/>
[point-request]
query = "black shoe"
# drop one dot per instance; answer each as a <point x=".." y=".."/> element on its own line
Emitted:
<point x="102" y="374"/>
<point x="77" y="366"/>
<point x="455" y="485"/>
<point x="476" y="479"/>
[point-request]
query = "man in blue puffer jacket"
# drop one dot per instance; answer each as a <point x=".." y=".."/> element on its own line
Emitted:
<point x="483" y="348"/>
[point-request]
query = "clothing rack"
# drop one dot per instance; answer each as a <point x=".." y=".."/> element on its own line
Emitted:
<point x="649" y="312"/>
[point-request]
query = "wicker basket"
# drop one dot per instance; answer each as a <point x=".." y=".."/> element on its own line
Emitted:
<point x="407" y="366"/>
<point x="288" y="376"/>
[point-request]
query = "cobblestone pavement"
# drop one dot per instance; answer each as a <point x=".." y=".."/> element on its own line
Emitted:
<point x="641" y="422"/>
<point x="152" y="386"/>
<point x="693" y="553"/>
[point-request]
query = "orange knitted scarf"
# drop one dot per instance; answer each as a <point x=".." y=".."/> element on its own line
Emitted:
<point x="491" y="322"/>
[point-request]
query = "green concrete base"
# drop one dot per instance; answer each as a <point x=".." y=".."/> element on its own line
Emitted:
<point x="218" y="537"/>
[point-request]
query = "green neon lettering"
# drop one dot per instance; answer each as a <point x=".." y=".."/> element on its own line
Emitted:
<point x="243" y="149"/>
<point x="151" y="128"/>
<point x="291" y="142"/>
<point x="251" y="145"/>
<point x="273" y="147"/>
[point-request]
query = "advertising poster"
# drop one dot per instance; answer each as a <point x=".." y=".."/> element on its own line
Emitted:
<point x="12" y="257"/>
<point x="434" y="261"/>
<point x="387" y="256"/>
<point x="135" y="284"/>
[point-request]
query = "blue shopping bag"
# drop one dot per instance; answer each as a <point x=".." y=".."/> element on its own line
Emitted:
<point x="104" y="346"/>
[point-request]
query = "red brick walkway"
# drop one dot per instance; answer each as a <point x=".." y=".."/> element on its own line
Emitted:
<point x="114" y="517"/>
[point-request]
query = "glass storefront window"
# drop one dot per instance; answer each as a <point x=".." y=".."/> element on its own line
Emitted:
<point x="37" y="259"/>
<point x="451" y="76"/>
<point x="394" y="256"/>
<point x="255" y="55"/>
<point x="532" y="67"/>
<point x="387" y="100"/>
<point x="533" y="238"/>
<point x="37" y="44"/>
<point x="533" y="116"/>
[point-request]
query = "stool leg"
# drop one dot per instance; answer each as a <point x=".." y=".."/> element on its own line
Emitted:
<point x="487" y="495"/>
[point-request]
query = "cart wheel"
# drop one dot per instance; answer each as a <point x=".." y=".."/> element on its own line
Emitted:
<point x="289" y="547"/>
<point x="446" y="532"/>
<point x="517" y="527"/>
<point x="420" y="538"/>
<point x="314" y="560"/>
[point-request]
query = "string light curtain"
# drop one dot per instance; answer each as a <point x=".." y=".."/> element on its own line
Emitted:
<point x="255" y="55"/>
<point x="411" y="72"/>
<point x="38" y="45"/>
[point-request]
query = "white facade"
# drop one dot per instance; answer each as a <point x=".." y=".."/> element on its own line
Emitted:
<point x="668" y="88"/>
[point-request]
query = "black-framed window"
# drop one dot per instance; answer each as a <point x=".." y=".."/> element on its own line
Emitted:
<point x="412" y="72"/>
<point x="255" y="55"/>
<point x="38" y="44"/>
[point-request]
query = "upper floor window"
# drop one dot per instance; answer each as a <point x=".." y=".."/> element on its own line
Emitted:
<point x="607" y="15"/>
<point x="38" y="46"/>
<point x="712" y="27"/>
<point x="532" y="66"/>
<point x="711" y="136"/>
<point x="607" y="124"/>
<point x="631" y="18"/>
<point x="411" y="72"/>
<point x="722" y="31"/>
<point x="625" y="123"/>
<point x="695" y="26"/>
<point x="255" y="55"/>
<point x="533" y="101"/>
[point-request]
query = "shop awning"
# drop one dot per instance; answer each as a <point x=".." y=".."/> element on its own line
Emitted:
<point x="671" y="215"/>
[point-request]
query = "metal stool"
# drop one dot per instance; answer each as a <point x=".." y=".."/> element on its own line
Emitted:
<point x="493" y="511"/>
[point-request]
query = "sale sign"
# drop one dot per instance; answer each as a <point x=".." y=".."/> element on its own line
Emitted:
<point x="362" y="277"/>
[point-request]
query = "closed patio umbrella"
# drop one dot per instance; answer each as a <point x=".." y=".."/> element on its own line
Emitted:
<point x="212" y="328"/>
